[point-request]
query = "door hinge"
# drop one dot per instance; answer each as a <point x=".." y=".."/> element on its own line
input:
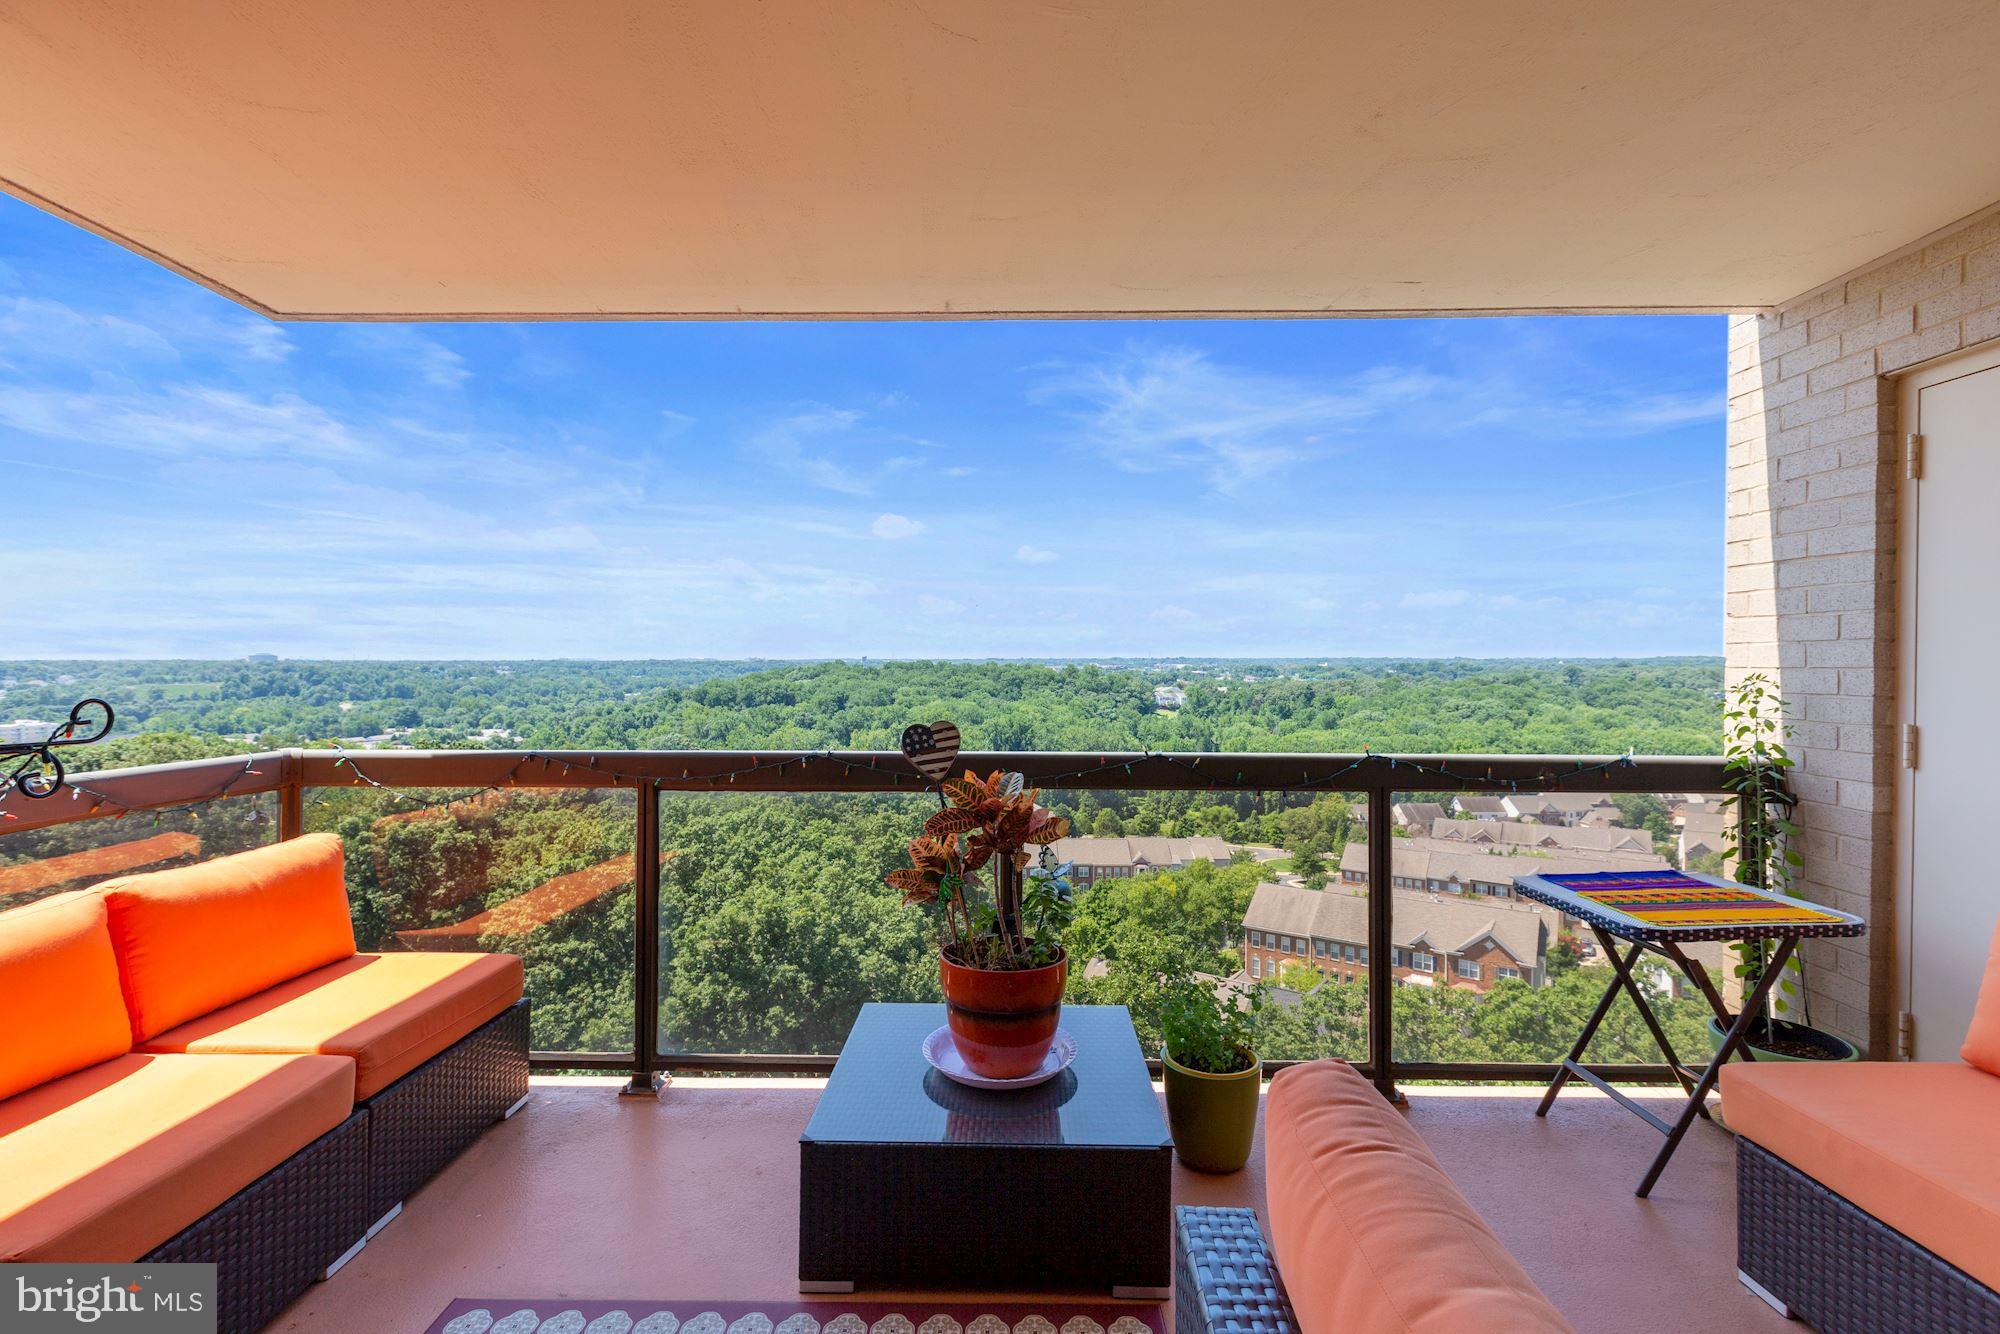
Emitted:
<point x="1911" y="739"/>
<point x="1913" y="458"/>
<point x="1906" y="1035"/>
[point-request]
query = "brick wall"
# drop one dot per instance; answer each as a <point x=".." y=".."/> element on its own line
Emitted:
<point x="1811" y="568"/>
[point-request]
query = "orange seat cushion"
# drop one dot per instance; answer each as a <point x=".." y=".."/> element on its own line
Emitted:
<point x="1908" y="1142"/>
<point x="198" y="937"/>
<point x="388" y="1013"/>
<point x="60" y="1007"/>
<point x="1982" y="1040"/>
<point x="1368" y="1231"/>
<point x="106" y="1164"/>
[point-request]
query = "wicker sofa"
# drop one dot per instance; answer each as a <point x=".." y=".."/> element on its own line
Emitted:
<point x="199" y="1066"/>
<point x="1366" y="1227"/>
<point x="1868" y="1197"/>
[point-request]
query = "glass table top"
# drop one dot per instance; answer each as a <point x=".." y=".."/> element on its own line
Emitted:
<point x="883" y="1091"/>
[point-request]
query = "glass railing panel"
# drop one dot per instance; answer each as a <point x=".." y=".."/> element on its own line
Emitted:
<point x="1302" y="936"/>
<point x="58" y="858"/>
<point x="546" y="874"/>
<point x="775" y="926"/>
<point x="1484" y="975"/>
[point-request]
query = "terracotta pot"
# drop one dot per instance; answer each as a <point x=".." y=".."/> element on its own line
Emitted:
<point x="1003" y="1022"/>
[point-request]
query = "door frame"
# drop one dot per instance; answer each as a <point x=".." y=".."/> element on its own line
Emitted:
<point x="1909" y="386"/>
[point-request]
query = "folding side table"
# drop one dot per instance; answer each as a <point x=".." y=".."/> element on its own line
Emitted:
<point x="1657" y="912"/>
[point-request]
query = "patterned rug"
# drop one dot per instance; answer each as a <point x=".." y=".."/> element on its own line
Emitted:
<point x="487" y="1315"/>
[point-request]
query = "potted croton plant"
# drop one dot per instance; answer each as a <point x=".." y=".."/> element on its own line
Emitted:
<point x="1000" y="918"/>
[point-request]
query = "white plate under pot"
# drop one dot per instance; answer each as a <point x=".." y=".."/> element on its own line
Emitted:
<point x="943" y="1055"/>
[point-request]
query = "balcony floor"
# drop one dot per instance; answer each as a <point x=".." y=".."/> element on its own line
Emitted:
<point x="586" y="1195"/>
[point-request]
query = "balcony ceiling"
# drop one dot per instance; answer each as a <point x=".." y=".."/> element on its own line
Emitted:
<point x="426" y="159"/>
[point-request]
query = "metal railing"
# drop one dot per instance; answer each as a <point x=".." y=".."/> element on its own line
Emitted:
<point x="649" y="774"/>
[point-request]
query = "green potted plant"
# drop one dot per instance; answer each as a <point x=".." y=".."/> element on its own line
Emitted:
<point x="1001" y="960"/>
<point x="1212" y="1073"/>
<point x="1755" y="761"/>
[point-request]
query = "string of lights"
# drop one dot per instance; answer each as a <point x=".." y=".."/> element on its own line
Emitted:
<point x="80" y="790"/>
<point x="1213" y="768"/>
<point x="1546" y="780"/>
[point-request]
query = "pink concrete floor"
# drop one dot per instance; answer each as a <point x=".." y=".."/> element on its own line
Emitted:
<point x="586" y="1195"/>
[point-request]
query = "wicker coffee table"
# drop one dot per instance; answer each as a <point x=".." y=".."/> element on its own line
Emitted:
<point x="907" y="1180"/>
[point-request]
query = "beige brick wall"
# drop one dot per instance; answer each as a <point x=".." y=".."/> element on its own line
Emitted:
<point x="1811" y="569"/>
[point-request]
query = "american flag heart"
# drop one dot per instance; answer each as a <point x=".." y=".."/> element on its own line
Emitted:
<point x="932" y="749"/>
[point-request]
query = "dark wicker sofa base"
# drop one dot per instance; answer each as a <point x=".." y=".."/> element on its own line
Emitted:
<point x="421" y="1122"/>
<point x="270" y="1240"/>
<point x="273" y="1238"/>
<point x="1839" y="1267"/>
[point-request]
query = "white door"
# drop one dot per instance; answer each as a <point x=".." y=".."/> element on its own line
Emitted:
<point x="1950" y="887"/>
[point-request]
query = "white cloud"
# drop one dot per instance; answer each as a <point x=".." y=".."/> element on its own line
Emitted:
<point x="930" y="604"/>
<point x="33" y="329"/>
<point x="894" y="527"/>
<point x="674" y="423"/>
<point x="1437" y="597"/>
<point x="184" y="421"/>
<point x="1153" y="410"/>
<point x="789" y="444"/>
<point x="1031" y="555"/>
<point x="428" y="360"/>
<point x="247" y="337"/>
<point x="1174" y="613"/>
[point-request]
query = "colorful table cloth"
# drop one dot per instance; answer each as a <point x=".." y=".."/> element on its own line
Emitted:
<point x="1683" y="905"/>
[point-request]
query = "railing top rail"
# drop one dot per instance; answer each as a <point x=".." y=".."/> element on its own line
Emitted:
<point x="888" y="771"/>
<point x="106" y="792"/>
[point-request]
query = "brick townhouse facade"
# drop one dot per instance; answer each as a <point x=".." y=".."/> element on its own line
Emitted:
<point x="1446" y="941"/>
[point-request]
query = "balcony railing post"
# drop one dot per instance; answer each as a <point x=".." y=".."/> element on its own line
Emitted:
<point x="1381" y="973"/>
<point x="291" y="796"/>
<point x="646" y="944"/>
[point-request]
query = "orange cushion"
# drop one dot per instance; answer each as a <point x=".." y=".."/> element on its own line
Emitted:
<point x="59" y="997"/>
<point x="1368" y="1231"/>
<point x="1908" y="1142"/>
<point x="106" y="1164"/>
<point x="1982" y="1040"/>
<point x="388" y="1013"/>
<point x="201" y="936"/>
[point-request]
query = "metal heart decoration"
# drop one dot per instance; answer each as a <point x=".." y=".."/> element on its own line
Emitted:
<point x="932" y="749"/>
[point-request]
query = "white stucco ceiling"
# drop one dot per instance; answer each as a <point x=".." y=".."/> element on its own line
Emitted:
<point x="518" y="158"/>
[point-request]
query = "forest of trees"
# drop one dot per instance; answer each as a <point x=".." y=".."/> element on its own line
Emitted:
<point x="775" y="924"/>
<point x="1661" y="706"/>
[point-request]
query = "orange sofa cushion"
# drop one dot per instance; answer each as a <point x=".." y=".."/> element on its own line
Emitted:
<point x="1368" y="1231"/>
<point x="1982" y="1040"/>
<point x="106" y="1164"/>
<point x="60" y="1007"/>
<point x="198" y="937"/>
<point x="1910" y="1142"/>
<point x="388" y="1013"/>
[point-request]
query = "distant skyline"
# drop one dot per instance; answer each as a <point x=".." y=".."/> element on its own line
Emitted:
<point x="181" y="478"/>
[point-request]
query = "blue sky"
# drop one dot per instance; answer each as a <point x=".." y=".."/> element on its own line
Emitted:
<point x="181" y="478"/>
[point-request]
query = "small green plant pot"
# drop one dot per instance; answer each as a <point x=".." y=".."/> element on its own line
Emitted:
<point x="1213" y="1117"/>
<point x="1797" y="1038"/>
